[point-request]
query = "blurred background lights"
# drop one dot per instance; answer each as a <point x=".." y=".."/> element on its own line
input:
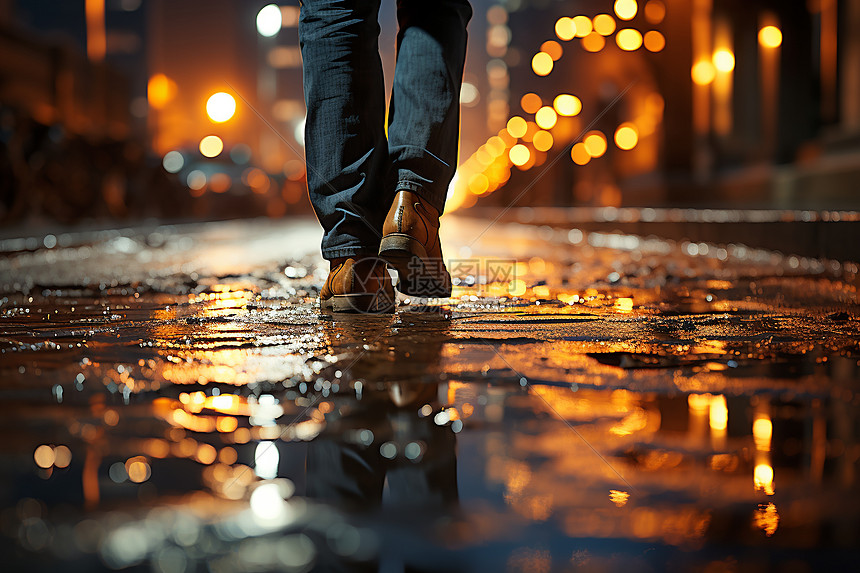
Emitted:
<point x="542" y="64"/>
<point x="269" y="20"/>
<point x="531" y="102"/>
<point x="628" y="39"/>
<point x="626" y="136"/>
<point x="160" y="90"/>
<point x="565" y="29"/>
<point x="546" y="117"/>
<point x="626" y="9"/>
<point x="654" y="41"/>
<point x="724" y="60"/>
<point x="595" y="144"/>
<point x="44" y="456"/>
<point x="266" y="459"/>
<point x="655" y="11"/>
<point x="519" y="154"/>
<point x="211" y="146"/>
<point x="517" y="126"/>
<point x="196" y="180"/>
<point x="542" y="141"/>
<point x="220" y="107"/>
<point x="173" y="161"/>
<point x="582" y="25"/>
<point x="468" y="94"/>
<point x="593" y="42"/>
<point x="552" y="48"/>
<point x="567" y="105"/>
<point x="580" y="154"/>
<point x="604" y="24"/>
<point x="770" y="37"/>
<point x="703" y="72"/>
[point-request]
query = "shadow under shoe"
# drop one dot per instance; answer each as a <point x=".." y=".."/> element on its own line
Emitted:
<point x="410" y="243"/>
<point x="358" y="286"/>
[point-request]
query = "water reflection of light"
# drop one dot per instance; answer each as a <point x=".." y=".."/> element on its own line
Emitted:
<point x="718" y="414"/>
<point x="266" y="459"/>
<point x="268" y="506"/>
<point x="619" y="498"/>
<point x="762" y="434"/>
<point x="763" y="478"/>
<point x="766" y="518"/>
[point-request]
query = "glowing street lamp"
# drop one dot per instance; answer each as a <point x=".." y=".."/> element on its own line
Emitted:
<point x="269" y="20"/>
<point x="220" y="107"/>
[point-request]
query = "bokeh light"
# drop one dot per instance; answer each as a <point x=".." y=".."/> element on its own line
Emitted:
<point x="604" y="24"/>
<point x="196" y="180"/>
<point x="626" y="136"/>
<point x="626" y="9"/>
<point x="552" y="48"/>
<point x="269" y="20"/>
<point x="173" y="162"/>
<point x="655" y="11"/>
<point x="593" y="42"/>
<point x="580" y="154"/>
<point x="654" y="41"/>
<point x="565" y="29"/>
<point x="531" y="102"/>
<point x="770" y="37"/>
<point x="546" y="117"/>
<point x="160" y="90"/>
<point x="595" y="144"/>
<point x="703" y="72"/>
<point x="519" y="154"/>
<point x="211" y="146"/>
<point x="628" y="39"/>
<point x="220" y="107"/>
<point x="724" y="60"/>
<point x="542" y="64"/>
<point x="44" y="456"/>
<point x="517" y="126"/>
<point x="542" y="141"/>
<point x="583" y="25"/>
<point x="567" y="105"/>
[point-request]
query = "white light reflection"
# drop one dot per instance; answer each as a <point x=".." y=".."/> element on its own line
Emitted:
<point x="266" y="458"/>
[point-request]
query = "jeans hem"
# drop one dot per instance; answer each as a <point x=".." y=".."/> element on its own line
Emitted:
<point x="433" y="198"/>
<point x="351" y="252"/>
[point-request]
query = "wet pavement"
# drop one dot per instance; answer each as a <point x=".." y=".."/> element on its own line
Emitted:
<point x="172" y="400"/>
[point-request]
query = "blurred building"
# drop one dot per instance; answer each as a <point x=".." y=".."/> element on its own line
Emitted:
<point x="680" y="102"/>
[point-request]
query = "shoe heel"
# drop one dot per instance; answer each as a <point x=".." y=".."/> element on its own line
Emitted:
<point x="368" y="303"/>
<point x="400" y="247"/>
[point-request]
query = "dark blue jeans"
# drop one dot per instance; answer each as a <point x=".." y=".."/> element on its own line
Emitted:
<point x="354" y="170"/>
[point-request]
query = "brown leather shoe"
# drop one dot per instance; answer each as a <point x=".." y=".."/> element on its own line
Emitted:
<point x="358" y="285"/>
<point x="410" y="243"/>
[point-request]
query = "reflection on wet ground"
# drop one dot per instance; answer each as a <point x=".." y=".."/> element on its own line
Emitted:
<point x="173" y="401"/>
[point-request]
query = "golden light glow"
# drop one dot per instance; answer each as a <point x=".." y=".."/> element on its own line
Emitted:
<point x="603" y="24"/>
<point x="478" y="184"/>
<point x="44" y="456"/>
<point x="595" y="144"/>
<point x="580" y="154"/>
<point x="703" y="72"/>
<point x="763" y="478"/>
<point x="626" y="136"/>
<point x="654" y="41"/>
<point x="220" y="107"/>
<point x="517" y="287"/>
<point x="619" y="498"/>
<point x="546" y="117"/>
<point x="593" y="42"/>
<point x="624" y="304"/>
<point x="565" y="29"/>
<point x="770" y="37"/>
<point x="517" y="126"/>
<point x="767" y="518"/>
<point x="542" y="64"/>
<point x="552" y="48"/>
<point x="628" y="39"/>
<point x="626" y="9"/>
<point x="62" y="456"/>
<point x="530" y="103"/>
<point x="160" y="90"/>
<point x="519" y="154"/>
<point x="583" y="25"/>
<point x="762" y="434"/>
<point x="655" y="11"/>
<point x="211" y="146"/>
<point x="542" y="141"/>
<point x="567" y="105"/>
<point x="724" y="60"/>
<point x="718" y="414"/>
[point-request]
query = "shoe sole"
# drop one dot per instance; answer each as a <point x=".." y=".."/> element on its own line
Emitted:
<point x="407" y="255"/>
<point x="365" y="303"/>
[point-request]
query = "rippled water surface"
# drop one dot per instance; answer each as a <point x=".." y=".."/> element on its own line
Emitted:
<point x="172" y="400"/>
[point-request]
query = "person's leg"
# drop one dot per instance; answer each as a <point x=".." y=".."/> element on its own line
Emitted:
<point x="424" y="114"/>
<point x="345" y="145"/>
